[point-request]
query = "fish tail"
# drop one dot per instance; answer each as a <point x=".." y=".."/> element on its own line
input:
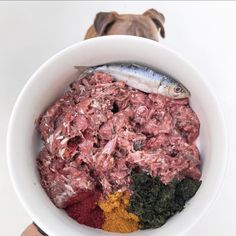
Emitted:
<point x="83" y="71"/>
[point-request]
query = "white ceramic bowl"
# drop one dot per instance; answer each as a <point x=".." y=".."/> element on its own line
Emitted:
<point x="49" y="82"/>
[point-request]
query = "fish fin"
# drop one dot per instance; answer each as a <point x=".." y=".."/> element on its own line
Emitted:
<point x="83" y="71"/>
<point x="137" y="66"/>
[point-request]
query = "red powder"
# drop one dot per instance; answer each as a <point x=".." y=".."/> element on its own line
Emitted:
<point x="86" y="211"/>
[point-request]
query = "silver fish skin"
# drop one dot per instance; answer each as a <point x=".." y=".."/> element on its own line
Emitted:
<point x="142" y="78"/>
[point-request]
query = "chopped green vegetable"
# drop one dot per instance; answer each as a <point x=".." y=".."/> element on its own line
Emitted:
<point x="154" y="202"/>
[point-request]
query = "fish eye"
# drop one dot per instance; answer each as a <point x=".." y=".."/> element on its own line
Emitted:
<point x="178" y="89"/>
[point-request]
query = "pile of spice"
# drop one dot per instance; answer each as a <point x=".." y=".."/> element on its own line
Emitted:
<point x="117" y="218"/>
<point x="116" y="158"/>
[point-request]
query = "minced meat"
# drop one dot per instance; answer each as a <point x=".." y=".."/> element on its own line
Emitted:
<point x="100" y="129"/>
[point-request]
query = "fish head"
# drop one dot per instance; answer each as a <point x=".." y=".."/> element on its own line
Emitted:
<point x="173" y="89"/>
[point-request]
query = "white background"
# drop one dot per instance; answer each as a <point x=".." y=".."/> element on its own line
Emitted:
<point x="203" y="32"/>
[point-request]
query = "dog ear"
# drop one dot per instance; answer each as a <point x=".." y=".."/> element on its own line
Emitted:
<point x="103" y="21"/>
<point x="158" y="19"/>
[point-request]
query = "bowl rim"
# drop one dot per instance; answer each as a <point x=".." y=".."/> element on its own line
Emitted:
<point x="50" y="60"/>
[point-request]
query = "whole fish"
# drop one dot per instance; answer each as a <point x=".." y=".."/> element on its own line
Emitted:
<point x="140" y="77"/>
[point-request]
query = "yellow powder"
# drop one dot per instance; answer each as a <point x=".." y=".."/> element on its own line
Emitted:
<point x="117" y="219"/>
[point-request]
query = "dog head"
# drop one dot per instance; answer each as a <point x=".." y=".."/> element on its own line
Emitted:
<point x="148" y="25"/>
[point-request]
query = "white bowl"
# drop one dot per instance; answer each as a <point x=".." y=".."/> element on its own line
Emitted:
<point x="49" y="82"/>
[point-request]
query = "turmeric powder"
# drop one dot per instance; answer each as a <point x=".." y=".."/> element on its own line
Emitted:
<point x="117" y="219"/>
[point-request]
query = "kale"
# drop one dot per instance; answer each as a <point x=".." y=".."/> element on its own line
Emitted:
<point x="154" y="202"/>
<point x="187" y="188"/>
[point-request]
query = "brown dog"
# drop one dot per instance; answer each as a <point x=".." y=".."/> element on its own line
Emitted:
<point x="148" y="25"/>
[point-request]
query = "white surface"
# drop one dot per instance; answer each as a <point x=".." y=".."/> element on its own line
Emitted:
<point x="31" y="32"/>
<point x="48" y="83"/>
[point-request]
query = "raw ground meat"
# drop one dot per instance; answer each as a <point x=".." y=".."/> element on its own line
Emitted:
<point x="99" y="130"/>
